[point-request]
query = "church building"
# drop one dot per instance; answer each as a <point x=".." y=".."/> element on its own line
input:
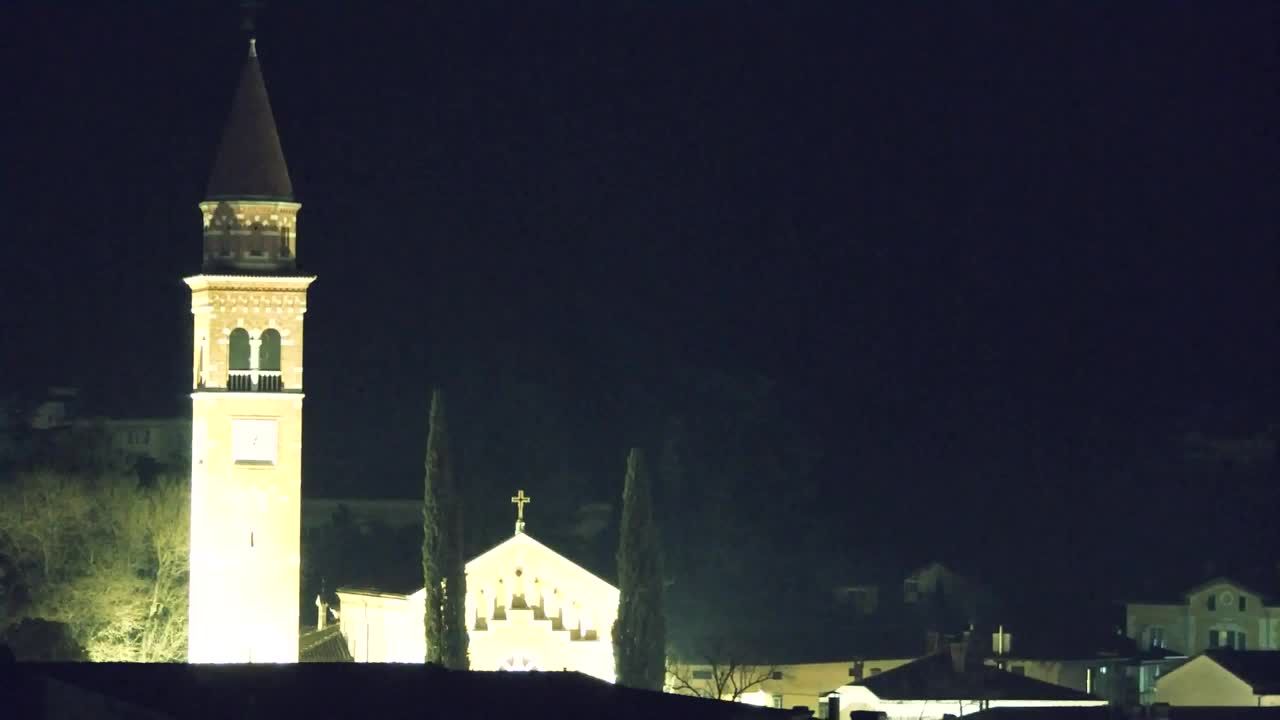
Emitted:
<point x="246" y="428"/>
<point x="527" y="608"/>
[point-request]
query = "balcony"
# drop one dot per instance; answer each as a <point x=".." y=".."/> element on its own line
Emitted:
<point x="255" y="381"/>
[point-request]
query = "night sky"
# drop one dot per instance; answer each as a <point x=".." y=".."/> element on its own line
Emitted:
<point x="995" y="259"/>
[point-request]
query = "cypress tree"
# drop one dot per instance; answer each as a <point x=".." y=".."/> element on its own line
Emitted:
<point x="639" y="634"/>
<point x="443" y="575"/>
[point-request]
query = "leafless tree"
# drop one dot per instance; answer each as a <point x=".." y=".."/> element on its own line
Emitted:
<point x="718" y="671"/>
<point x="106" y="557"/>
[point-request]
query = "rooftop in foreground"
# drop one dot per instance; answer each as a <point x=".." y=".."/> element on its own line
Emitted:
<point x="337" y="690"/>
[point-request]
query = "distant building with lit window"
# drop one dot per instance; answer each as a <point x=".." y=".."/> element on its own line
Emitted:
<point x="1221" y="613"/>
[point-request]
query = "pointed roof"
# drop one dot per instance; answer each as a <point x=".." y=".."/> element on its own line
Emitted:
<point x="250" y="163"/>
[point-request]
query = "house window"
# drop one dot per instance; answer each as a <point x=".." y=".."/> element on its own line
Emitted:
<point x="1243" y="605"/>
<point x="776" y="675"/>
<point x="1155" y="635"/>
<point x="875" y="671"/>
<point x="1232" y="639"/>
<point x="777" y="701"/>
<point x="701" y="674"/>
<point x="1212" y="603"/>
<point x="911" y="590"/>
<point x="1018" y="670"/>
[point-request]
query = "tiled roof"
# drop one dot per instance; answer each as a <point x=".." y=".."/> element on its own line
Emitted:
<point x="362" y="690"/>
<point x="250" y="162"/>
<point x="1259" y="668"/>
<point x="323" y="646"/>
<point x="935" y="678"/>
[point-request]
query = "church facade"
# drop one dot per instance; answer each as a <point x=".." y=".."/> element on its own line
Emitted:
<point x="527" y="608"/>
<point x="248" y="304"/>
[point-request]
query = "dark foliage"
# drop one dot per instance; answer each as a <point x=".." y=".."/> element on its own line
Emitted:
<point x="442" y="563"/>
<point x="639" y="635"/>
<point x="36" y="640"/>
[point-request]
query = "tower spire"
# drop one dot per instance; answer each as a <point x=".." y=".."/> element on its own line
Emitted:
<point x="250" y="215"/>
<point x="250" y="162"/>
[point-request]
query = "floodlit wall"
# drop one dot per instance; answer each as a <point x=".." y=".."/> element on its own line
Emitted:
<point x="1201" y="681"/>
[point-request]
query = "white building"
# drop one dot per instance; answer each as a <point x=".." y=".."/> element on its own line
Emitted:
<point x="1224" y="678"/>
<point x="527" y="607"/>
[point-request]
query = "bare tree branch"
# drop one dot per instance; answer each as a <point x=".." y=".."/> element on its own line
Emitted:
<point x="722" y="674"/>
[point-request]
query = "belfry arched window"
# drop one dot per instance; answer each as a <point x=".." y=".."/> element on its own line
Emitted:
<point x="238" y="361"/>
<point x="269" y="378"/>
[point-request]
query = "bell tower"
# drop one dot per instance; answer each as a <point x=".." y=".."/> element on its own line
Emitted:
<point x="246" y="431"/>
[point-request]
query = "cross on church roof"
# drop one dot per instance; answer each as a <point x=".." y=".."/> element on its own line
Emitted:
<point x="520" y="500"/>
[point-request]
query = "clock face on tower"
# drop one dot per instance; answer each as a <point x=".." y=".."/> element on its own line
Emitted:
<point x="253" y="442"/>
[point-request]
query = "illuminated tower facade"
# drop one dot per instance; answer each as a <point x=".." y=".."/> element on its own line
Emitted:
<point x="246" y="455"/>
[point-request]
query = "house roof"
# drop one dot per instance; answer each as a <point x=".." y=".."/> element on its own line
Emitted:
<point x="250" y="162"/>
<point x="363" y="690"/>
<point x="326" y="645"/>
<point x="935" y="678"/>
<point x="1259" y="668"/>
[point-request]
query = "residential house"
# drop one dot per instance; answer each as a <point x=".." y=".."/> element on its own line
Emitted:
<point x="1223" y="677"/>
<point x="951" y="682"/>
<point x="1221" y="613"/>
<point x="1122" y="676"/>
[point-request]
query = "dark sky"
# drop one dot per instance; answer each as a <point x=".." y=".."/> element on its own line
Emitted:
<point x="993" y="254"/>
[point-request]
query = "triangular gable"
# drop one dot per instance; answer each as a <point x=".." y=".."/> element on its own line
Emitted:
<point x="566" y="567"/>
<point x="1224" y="580"/>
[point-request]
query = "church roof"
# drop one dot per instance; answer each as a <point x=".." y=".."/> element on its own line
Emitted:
<point x="250" y="162"/>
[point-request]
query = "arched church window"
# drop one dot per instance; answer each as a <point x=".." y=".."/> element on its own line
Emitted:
<point x="269" y="350"/>
<point x="269" y="379"/>
<point x="240" y="378"/>
<point x="239" y="359"/>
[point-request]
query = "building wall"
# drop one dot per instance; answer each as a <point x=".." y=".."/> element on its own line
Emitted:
<point x="382" y="628"/>
<point x="1201" y="681"/>
<point x="1171" y="619"/>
